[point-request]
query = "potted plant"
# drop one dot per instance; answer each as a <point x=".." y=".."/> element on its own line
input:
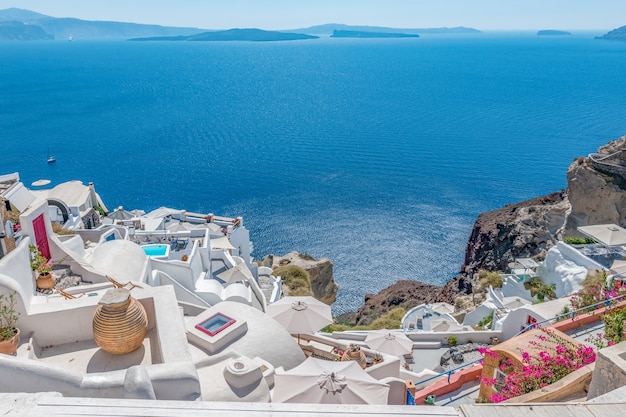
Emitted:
<point x="378" y="358"/>
<point x="9" y="333"/>
<point x="43" y="268"/>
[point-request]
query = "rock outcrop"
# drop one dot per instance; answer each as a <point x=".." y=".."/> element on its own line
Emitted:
<point x="597" y="195"/>
<point x="525" y="229"/>
<point x="320" y="273"/>
<point x="405" y="294"/>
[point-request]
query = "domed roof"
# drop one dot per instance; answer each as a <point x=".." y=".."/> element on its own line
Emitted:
<point x="265" y="338"/>
<point x="120" y="259"/>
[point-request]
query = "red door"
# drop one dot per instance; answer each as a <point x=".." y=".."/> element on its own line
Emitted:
<point x="41" y="236"/>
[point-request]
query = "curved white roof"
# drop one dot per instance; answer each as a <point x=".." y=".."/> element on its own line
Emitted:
<point x="122" y="260"/>
<point x="265" y="338"/>
<point x="72" y="193"/>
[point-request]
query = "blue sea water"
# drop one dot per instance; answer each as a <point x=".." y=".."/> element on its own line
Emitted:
<point x="378" y="154"/>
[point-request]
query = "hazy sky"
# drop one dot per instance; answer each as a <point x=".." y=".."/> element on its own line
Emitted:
<point x="287" y="14"/>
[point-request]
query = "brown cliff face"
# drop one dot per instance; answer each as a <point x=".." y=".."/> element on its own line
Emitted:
<point x="525" y="229"/>
<point x="405" y="294"/>
<point x="596" y="197"/>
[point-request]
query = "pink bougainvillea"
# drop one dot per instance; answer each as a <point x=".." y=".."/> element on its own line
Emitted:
<point x="557" y="358"/>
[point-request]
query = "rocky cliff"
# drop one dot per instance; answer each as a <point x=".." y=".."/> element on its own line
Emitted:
<point x="594" y="195"/>
<point x="320" y="273"/>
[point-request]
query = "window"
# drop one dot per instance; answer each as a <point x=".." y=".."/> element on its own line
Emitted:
<point x="500" y="378"/>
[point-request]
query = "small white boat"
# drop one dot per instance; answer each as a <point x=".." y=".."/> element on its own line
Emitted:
<point x="51" y="159"/>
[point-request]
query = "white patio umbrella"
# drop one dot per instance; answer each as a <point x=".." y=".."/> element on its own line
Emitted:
<point x="239" y="272"/>
<point x="440" y="325"/>
<point x="221" y="243"/>
<point x="120" y="214"/>
<point x="180" y="227"/>
<point x="300" y="314"/>
<point x="393" y="343"/>
<point x="317" y="381"/>
<point x="442" y="308"/>
<point x="618" y="267"/>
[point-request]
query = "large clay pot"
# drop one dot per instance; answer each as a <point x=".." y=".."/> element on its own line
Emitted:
<point x="120" y="323"/>
<point x="9" y="347"/>
<point x="45" y="281"/>
<point x="353" y="353"/>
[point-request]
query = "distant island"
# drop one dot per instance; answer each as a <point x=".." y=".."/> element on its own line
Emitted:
<point x="618" y="34"/>
<point x="552" y="32"/>
<point x="25" y="25"/>
<point x="361" y="34"/>
<point x="18" y="31"/>
<point x="255" y="35"/>
<point x="330" y="28"/>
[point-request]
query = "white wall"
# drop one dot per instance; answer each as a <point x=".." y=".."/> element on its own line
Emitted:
<point x="565" y="267"/>
<point x="240" y="239"/>
<point x="515" y="320"/>
<point x="512" y="287"/>
<point x="472" y="318"/>
<point x="17" y="275"/>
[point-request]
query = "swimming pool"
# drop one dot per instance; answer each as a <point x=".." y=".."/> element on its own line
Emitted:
<point x="215" y="324"/>
<point x="157" y="251"/>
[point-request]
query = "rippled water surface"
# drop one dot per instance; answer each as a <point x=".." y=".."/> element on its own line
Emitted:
<point x="378" y="154"/>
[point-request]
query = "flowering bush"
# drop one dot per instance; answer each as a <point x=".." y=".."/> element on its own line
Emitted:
<point x="599" y="340"/>
<point x="594" y="295"/>
<point x="555" y="358"/>
<point x="38" y="262"/>
<point x="614" y="328"/>
<point x="588" y="296"/>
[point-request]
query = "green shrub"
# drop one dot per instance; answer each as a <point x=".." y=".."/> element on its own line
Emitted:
<point x="488" y="278"/>
<point x="452" y="340"/>
<point x="342" y="328"/>
<point x="570" y="240"/>
<point x="384" y="322"/>
<point x="594" y="279"/>
<point x="396" y="314"/>
<point x="537" y="288"/>
<point x="294" y="277"/>
<point x="391" y="320"/>
<point x="296" y="283"/>
<point x="100" y="210"/>
<point x="485" y="321"/>
<point x="300" y="292"/>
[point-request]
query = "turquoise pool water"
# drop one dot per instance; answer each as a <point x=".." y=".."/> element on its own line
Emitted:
<point x="155" y="250"/>
<point x="215" y="324"/>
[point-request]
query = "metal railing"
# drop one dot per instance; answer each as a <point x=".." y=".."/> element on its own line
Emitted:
<point x="606" y="303"/>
